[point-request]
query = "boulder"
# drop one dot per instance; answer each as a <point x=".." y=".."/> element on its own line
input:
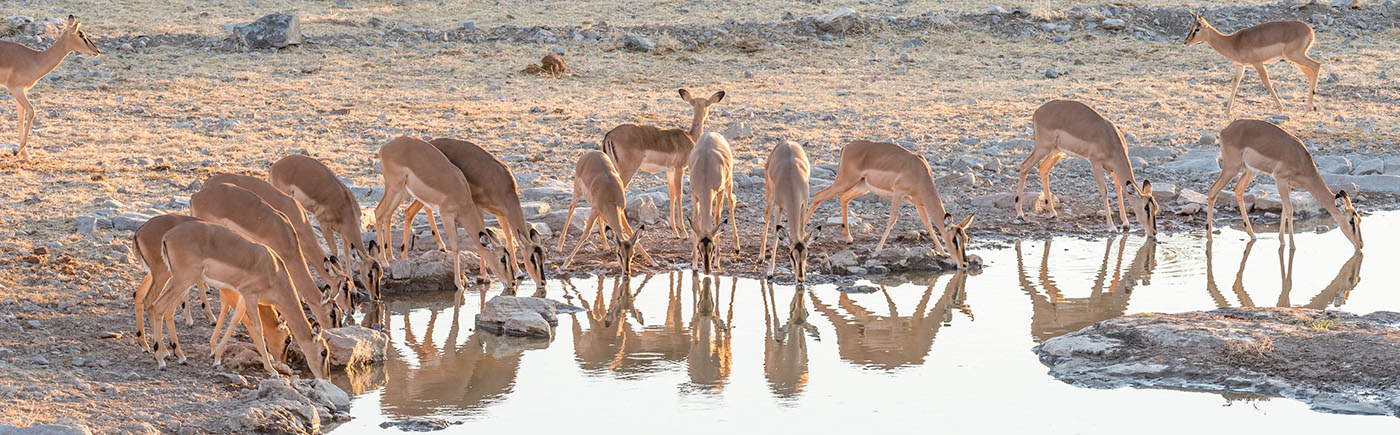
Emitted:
<point x="1114" y="24"/>
<point x="738" y="130"/>
<point x="638" y="43"/>
<point x="1332" y="164"/>
<point x="19" y="25"/>
<point x="356" y="345"/>
<point x="544" y="193"/>
<point x="270" y="31"/>
<point x="841" y="260"/>
<point x="1190" y="202"/>
<point x="283" y="406"/>
<point x="644" y="211"/>
<point x="534" y="209"/>
<point x="844" y="20"/>
<point x="1389" y="184"/>
<point x="519" y="316"/>
<point x="129" y="221"/>
<point x="1366" y="165"/>
<point x="1002" y="200"/>
<point x="1200" y="162"/>
<point x="45" y="429"/>
<point x="1281" y="352"/>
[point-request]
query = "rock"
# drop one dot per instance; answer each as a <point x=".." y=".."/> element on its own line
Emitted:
<point x="644" y="211"/>
<point x="517" y="316"/>
<point x="19" y="25"/>
<point x="543" y="229"/>
<point x="534" y="209"/>
<point x="1190" y="202"/>
<point x="844" y="20"/>
<point x="282" y="406"/>
<point x="1367" y="183"/>
<point x="638" y="43"/>
<point x="1202" y="162"/>
<point x="1240" y="350"/>
<point x="553" y="63"/>
<point x="1114" y="24"/>
<point x="546" y="193"/>
<point x="355" y="345"/>
<point x="418" y="425"/>
<point x="129" y="221"/>
<point x="1207" y="139"/>
<point x="86" y="224"/>
<point x="1332" y="164"/>
<point x="1153" y="154"/>
<point x="270" y="31"/>
<point x="737" y="131"/>
<point x="1002" y="200"/>
<point x="138" y="428"/>
<point x="45" y="429"/>
<point x="1051" y="74"/>
<point x="857" y="289"/>
<point x="1277" y="119"/>
<point x="1366" y="165"/>
<point x="842" y="260"/>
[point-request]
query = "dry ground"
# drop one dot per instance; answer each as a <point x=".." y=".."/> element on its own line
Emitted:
<point x="189" y="112"/>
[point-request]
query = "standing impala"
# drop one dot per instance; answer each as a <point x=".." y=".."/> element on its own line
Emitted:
<point x="1250" y="147"/>
<point x="295" y="214"/>
<point x="1070" y="127"/>
<point x="203" y="251"/>
<point x="415" y="169"/>
<point x="1259" y="45"/>
<point x="711" y="186"/>
<point x="146" y="245"/>
<point x="21" y="67"/>
<point x="632" y="147"/>
<point x="893" y="172"/>
<point x="596" y="180"/>
<point x="321" y="192"/>
<point x="787" y="189"/>
<point x="493" y="190"/>
<point x="243" y="211"/>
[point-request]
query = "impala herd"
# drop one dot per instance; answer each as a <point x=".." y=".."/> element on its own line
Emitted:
<point x="252" y="238"/>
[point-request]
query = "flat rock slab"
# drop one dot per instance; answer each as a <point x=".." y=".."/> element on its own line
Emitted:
<point x="356" y="345"/>
<point x="520" y="317"/>
<point x="1333" y="361"/>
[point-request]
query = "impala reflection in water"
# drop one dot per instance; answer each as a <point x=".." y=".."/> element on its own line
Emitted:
<point x="692" y="352"/>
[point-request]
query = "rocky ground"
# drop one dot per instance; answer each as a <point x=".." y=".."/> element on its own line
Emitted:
<point x="1333" y="361"/>
<point x="130" y="134"/>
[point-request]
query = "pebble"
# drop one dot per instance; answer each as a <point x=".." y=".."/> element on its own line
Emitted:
<point x="1050" y="73"/>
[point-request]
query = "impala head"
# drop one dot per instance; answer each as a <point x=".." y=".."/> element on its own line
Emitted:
<point x="73" y="34"/>
<point x="956" y="238"/>
<point x="535" y="261"/>
<point x="702" y="109"/>
<point x="705" y="245"/>
<point x="1145" y="206"/>
<point x="371" y="272"/>
<point x="1198" y="24"/>
<point x="317" y="353"/>
<point x="330" y="298"/>
<point x="626" y="248"/>
<point x="501" y="262"/>
<point x="1349" y="219"/>
<point x="797" y="251"/>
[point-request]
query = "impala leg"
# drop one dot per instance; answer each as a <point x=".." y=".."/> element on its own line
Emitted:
<point x="1285" y="196"/>
<point x="189" y="315"/>
<point x="203" y="289"/>
<point x="240" y="311"/>
<point x="768" y="206"/>
<point x="587" y="228"/>
<point x="569" y="217"/>
<point x="895" y="200"/>
<point x="1240" y="187"/>
<point x="137" y="300"/>
<point x="254" y="322"/>
<point x="675" y="213"/>
<point x="772" y="256"/>
<point x="26" y="121"/>
<point x="1122" y="211"/>
<point x="845" y="200"/>
<point x="225" y="307"/>
<point x="449" y="223"/>
<point x="1038" y="153"/>
<point x="1226" y="174"/>
<point x="1311" y="68"/>
<point x="1047" y="198"/>
<point x="1264" y="76"/>
<point x="1235" y="89"/>
<point x="930" y="223"/>
<point x="1103" y="192"/>
<point x="433" y="226"/>
<point x="394" y="193"/>
<point x="733" y="222"/>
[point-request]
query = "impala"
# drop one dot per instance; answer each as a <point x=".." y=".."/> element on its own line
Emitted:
<point x="632" y="147"/>
<point x="1249" y="147"/>
<point x="787" y="190"/>
<point x="890" y="171"/>
<point x="1070" y="127"/>
<point x="21" y="67"/>
<point x="596" y="180"/>
<point x="711" y="187"/>
<point x="321" y="192"/>
<point x="1259" y="45"/>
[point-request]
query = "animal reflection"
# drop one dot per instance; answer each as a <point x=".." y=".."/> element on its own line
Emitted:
<point x="710" y="355"/>
<point x="450" y="373"/>
<point x="1054" y="314"/>
<point x="1335" y="293"/>
<point x="891" y="341"/>
<point x="612" y="344"/>
<point x="785" y="345"/>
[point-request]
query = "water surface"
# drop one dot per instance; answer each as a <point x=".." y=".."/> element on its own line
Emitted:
<point x="681" y="353"/>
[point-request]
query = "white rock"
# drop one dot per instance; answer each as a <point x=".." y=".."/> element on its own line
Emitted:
<point x="355" y="345"/>
<point x="517" y="316"/>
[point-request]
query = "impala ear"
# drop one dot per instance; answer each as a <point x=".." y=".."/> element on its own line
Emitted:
<point x="717" y="97"/>
<point x="967" y="221"/>
<point x="608" y="232"/>
<point x="1343" y="199"/>
<point x="1146" y="187"/>
<point x="685" y="94"/>
<point x="534" y="235"/>
<point x="947" y="219"/>
<point x="315" y="328"/>
<point x="636" y="235"/>
<point x="781" y="231"/>
<point x="372" y="247"/>
<point x="485" y="238"/>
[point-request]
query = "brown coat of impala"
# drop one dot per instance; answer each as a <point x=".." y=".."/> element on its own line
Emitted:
<point x="1070" y="127"/>
<point x="145" y="243"/>
<point x="204" y="251"/>
<point x="711" y="187"/>
<point x="415" y="169"/>
<point x="317" y="189"/>
<point x="493" y="190"/>
<point x="1249" y="147"/>
<point x="890" y="171"/>
<point x="596" y="180"/>
<point x="243" y="211"/>
<point x="787" y="189"/>
<point x="1259" y="45"/>
<point x="632" y="147"/>
<point x="21" y="67"/>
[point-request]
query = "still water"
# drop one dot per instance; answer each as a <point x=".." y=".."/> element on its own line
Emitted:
<point x="677" y="353"/>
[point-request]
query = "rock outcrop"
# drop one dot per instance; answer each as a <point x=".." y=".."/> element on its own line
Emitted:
<point x="1333" y="361"/>
<point x="283" y="406"/>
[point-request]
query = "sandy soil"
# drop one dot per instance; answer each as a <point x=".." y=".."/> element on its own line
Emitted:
<point x="157" y="112"/>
